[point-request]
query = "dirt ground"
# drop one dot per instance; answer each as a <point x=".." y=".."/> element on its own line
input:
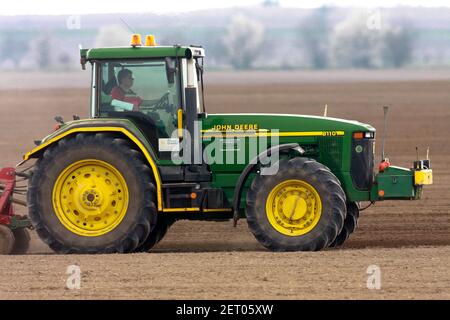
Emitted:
<point x="408" y="240"/>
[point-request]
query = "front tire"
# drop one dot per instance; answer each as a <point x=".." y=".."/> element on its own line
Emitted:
<point x="301" y="208"/>
<point x="92" y="193"/>
<point x="350" y="224"/>
<point x="157" y="234"/>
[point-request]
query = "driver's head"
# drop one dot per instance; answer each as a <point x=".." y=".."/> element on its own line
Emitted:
<point x="125" y="78"/>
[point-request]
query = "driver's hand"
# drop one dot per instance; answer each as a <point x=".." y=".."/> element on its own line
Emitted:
<point x="136" y="106"/>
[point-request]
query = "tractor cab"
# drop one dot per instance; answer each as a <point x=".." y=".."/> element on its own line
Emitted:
<point x="158" y="88"/>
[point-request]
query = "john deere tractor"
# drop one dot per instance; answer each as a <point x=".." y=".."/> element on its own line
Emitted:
<point x="150" y="155"/>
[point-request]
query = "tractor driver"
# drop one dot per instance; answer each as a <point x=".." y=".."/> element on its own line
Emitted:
<point x="123" y="91"/>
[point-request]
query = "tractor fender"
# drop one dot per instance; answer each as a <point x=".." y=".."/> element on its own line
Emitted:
<point x="281" y="148"/>
<point x="120" y="127"/>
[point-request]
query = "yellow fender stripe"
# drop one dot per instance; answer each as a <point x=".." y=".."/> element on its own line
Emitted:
<point x="181" y="209"/>
<point x="114" y="129"/>
<point x="218" y="210"/>
<point x="196" y="209"/>
<point x="229" y="134"/>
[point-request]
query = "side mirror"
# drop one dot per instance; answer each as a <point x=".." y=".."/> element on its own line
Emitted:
<point x="171" y="69"/>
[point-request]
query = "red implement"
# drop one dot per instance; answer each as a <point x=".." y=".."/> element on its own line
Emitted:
<point x="7" y="184"/>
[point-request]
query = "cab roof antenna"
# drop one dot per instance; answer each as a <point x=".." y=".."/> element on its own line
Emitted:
<point x="383" y="142"/>
<point x="128" y="26"/>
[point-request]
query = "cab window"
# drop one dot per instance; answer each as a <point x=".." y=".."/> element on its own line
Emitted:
<point x="142" y="91"/>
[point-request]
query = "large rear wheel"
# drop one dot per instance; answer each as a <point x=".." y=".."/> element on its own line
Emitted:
<point x="300" y="208"/>
<point x="92" y="193"/>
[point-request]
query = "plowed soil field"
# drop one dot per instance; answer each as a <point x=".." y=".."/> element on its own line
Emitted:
<point x="408" y="240"/>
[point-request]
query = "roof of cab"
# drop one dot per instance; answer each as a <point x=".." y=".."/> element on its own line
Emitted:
<point x="141" y="52"/>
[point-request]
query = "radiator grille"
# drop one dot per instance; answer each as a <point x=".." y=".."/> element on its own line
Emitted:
<point x="331" y="151"/>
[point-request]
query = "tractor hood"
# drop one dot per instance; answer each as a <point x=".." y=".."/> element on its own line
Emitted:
<point x="284" y="123"/>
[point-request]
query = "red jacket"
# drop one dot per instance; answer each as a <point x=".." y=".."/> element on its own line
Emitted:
<point x="119" y="94"/>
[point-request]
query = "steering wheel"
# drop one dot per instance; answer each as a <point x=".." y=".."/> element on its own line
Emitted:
<point x="164" y="103"/>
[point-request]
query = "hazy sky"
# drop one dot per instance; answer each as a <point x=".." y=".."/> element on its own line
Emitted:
<point x="20" y="7"/>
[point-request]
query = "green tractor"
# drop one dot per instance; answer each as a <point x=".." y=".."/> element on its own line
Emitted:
<point x="150" y="155"/>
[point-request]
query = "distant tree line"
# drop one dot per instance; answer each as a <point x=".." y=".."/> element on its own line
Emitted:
<point x="317" y="43"/>
<point x="33" y="53"/>
<point x="350" y="44"/>
<point x="353" y="43"/>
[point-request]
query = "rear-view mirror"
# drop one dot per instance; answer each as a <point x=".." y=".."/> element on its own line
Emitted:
<point x="171" y="69"/>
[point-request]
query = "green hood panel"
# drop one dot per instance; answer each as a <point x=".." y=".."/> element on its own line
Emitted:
<point x="281" y="122"/>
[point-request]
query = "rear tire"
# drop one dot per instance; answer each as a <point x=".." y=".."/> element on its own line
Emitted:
<point x="350" y="224"/>
<point x="22" y="243"/>
<point x="6" y="240"/>
<point x="157" y="234"/>
<point x="84" y="181"/>
<point x="301" y="208"/>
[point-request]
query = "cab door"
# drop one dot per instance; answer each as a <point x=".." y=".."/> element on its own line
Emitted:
<point x="148" y="96"/>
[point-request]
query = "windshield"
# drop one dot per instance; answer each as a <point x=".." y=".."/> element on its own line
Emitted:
<point x="138" y="89"/>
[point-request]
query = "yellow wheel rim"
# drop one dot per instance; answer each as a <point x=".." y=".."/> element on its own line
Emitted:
<point x="90" y="198"/>
<point x="293" y="207"/>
